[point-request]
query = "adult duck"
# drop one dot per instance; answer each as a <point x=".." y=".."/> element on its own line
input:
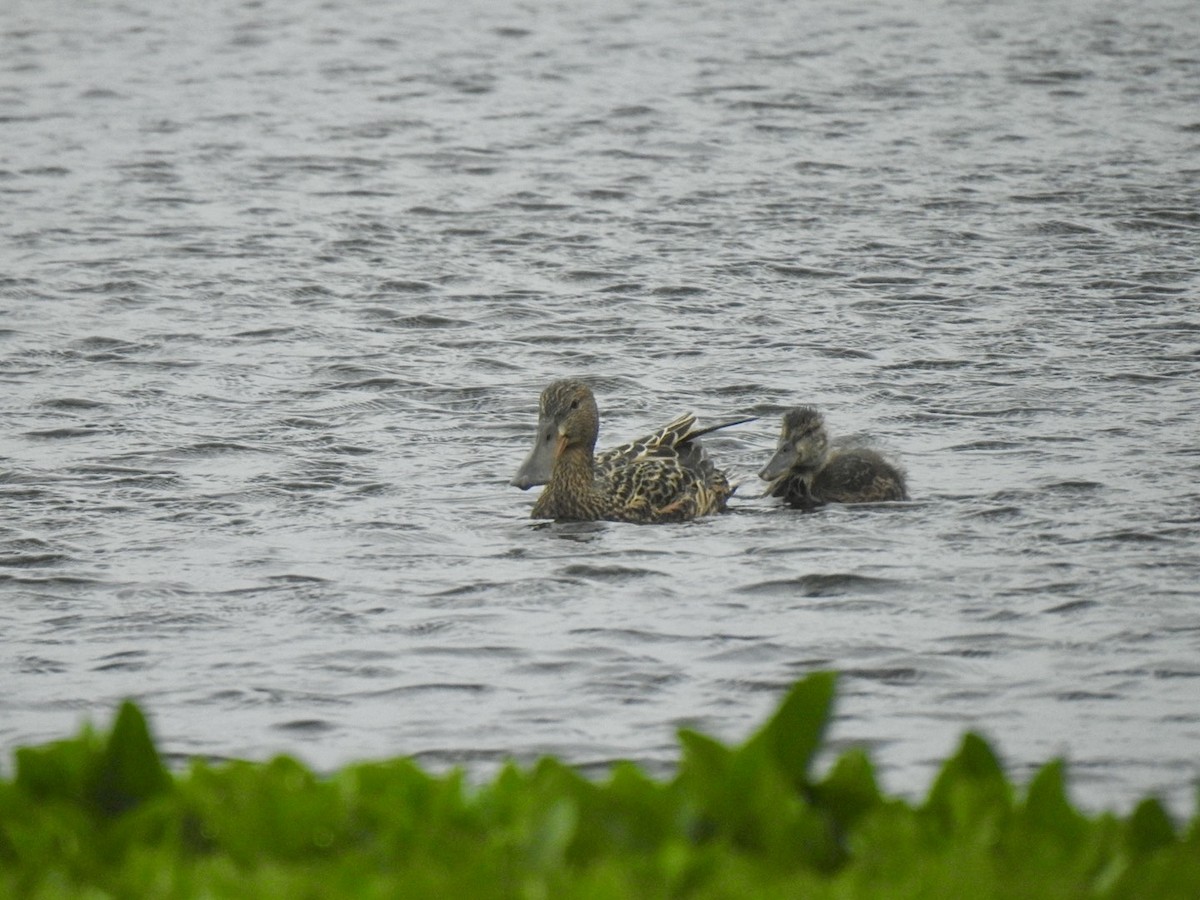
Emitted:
<point x="663" y="477"/>
<point x="806" y="472"/>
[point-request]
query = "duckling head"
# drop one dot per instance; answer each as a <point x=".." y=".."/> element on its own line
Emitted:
<point x="567" y="419"/>
<point x="802" y="447"/>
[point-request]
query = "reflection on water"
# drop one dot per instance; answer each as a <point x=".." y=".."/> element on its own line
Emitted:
<point x="281" y="283"/>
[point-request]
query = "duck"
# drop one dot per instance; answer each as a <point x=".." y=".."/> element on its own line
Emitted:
<point x="807" y="473"/>
<point x="663" y="477"/>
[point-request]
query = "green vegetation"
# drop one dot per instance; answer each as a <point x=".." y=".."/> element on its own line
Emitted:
<point x="102" y="817"/>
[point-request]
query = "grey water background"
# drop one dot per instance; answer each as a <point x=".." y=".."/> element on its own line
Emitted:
<point x="280" y="283"/>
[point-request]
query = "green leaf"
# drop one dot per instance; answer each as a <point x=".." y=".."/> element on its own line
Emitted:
<point x="723" y="788"/>
<point x="129" y="769"/>
<point x="849" y="790"/>
<point x="60" y="770"/>
<point x="1047" y="807"/>
<point x="970" y="787"/>
<point x="707" y="758"/>
<point x="636" y="812"/>
<point x="551" y="835"/>
<point x="793" y="735"/>
<point x="1150" y="828"/>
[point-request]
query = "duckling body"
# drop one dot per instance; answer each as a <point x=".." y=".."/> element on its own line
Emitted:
<point x="665" y="477"/>
<point x="806" y="472"/>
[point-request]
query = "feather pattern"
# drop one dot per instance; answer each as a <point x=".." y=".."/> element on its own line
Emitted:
<point x="677" y="439"/>
<point x="663" y="477"/>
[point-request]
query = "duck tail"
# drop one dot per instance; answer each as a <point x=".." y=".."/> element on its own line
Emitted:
<point x="700" y="432"/>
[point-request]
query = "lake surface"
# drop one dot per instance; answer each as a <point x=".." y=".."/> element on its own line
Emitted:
<point x="280" y="283"/>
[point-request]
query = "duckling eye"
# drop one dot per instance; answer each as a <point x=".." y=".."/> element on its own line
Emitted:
<point x="574" y="404"/>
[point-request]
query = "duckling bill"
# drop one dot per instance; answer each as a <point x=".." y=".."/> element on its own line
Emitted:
<point x="664" y="477"/>
<point x="806" y="472"/>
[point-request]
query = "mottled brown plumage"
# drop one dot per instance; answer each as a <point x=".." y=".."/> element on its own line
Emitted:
<point x="665" y="477"/>
<point x="806" y="472"/>
<point x="678" y="438"/>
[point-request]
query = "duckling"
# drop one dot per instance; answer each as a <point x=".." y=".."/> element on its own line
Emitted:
<point x="807" y="473"/>
<point x="666" y="477"/>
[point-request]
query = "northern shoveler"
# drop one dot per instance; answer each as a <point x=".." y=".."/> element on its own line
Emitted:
<point x="663" y="477"/>
<point x="807" y="473"/>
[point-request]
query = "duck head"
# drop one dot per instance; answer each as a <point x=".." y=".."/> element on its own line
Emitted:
<point x="802" y="444"/>
<point x="567" y="419"/>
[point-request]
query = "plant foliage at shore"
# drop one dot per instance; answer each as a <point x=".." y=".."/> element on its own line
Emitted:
<point x="101" y="816"/>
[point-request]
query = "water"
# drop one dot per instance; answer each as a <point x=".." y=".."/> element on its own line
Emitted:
<point x="280" y="284"/>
